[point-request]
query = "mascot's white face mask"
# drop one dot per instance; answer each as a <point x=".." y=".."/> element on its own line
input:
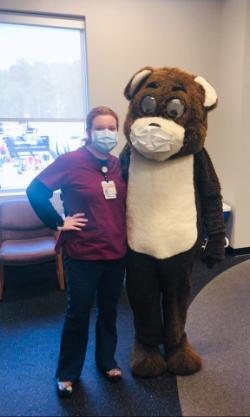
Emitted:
<point x="156" y="138"/>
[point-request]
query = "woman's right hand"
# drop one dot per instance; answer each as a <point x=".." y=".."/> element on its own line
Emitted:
<point x="75" y="222"/>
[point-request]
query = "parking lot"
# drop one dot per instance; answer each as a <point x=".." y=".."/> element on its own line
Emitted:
<point x="25" y="151"/>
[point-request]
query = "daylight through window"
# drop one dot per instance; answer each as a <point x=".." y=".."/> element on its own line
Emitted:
<point x="43" y="86"/>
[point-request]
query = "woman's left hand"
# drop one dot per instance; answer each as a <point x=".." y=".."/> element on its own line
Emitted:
<point x="76" y="222"/>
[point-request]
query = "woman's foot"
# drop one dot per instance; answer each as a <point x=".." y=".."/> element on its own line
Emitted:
<point x="114" y="374"/>
<point x="64" y="389"/>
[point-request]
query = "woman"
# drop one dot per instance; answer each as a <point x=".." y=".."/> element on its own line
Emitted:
<point x="93" y="239"/>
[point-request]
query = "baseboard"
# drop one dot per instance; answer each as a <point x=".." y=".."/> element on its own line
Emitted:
<point x="237" y="252"/>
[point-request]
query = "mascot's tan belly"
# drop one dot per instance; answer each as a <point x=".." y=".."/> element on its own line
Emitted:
<point x="161" y="209"/>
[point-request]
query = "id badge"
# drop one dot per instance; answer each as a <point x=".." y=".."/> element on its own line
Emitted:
<point x="109" y="189"/>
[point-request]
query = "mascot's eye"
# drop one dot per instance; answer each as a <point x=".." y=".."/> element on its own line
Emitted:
<point x="175" y="108"/>
<point x="148" y="104"/>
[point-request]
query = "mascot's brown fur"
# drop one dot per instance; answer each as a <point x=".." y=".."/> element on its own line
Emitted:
<point x="173" y="197"/>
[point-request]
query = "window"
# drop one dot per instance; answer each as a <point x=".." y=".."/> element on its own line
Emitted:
<point x="43" y="93"/>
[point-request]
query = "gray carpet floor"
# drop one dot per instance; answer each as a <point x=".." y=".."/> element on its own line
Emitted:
<point x="31" y="318"/>
<point x="218" y="327"/>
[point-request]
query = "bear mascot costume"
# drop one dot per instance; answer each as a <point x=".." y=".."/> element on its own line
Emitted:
<point x="174" y="200"/>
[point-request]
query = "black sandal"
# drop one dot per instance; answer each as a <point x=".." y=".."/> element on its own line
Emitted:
<point x="64" y="390"/>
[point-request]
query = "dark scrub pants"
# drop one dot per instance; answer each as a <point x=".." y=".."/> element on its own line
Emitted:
<point x="85" y="279"/>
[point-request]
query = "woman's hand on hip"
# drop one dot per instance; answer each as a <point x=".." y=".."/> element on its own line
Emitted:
<point x="76" y="222"/>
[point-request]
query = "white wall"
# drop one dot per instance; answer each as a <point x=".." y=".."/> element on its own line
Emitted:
<point x="125" y="35"/>
<point x="231" y="150"/>
<point x="242" y="220"/>
<point x="206" y="37"/>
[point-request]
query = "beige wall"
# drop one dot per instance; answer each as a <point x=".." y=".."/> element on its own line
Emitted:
<point x="125" y="35"/>
<point x="206" y="37"/>
<point x="231" y="150"/>
<point x="242" y="221"/>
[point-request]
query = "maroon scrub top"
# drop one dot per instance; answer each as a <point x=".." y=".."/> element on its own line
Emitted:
<point x="78" y="175"/>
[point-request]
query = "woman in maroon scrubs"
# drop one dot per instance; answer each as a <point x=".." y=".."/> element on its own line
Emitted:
<point x="93" y="238"/>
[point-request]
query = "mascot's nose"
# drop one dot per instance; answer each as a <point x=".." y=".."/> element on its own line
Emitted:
<point x="154" y="124"/>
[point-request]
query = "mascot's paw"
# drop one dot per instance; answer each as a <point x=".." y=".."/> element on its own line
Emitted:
<point x="184" y="361"/>
<point x="147" y="361"/>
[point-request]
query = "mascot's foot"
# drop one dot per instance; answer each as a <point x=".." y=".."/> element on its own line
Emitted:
<point x="184" y="360"/>
<point x="147" y="361"/>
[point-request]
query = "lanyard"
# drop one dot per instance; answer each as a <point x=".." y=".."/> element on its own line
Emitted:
<point x="104" y="171"/>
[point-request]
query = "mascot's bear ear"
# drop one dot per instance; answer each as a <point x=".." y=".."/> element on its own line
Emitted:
<point x="211" y="98"/>
<point x="136" y="82"/>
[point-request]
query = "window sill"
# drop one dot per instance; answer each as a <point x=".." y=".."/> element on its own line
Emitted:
<point x="13" y="193"/>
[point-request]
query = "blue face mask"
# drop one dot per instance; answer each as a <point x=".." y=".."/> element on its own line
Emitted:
<point x="104" y="140"/>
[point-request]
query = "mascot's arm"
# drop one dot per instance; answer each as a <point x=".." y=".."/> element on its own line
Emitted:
<point x="125" y="160"/>
<point x="211" y="206"/>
